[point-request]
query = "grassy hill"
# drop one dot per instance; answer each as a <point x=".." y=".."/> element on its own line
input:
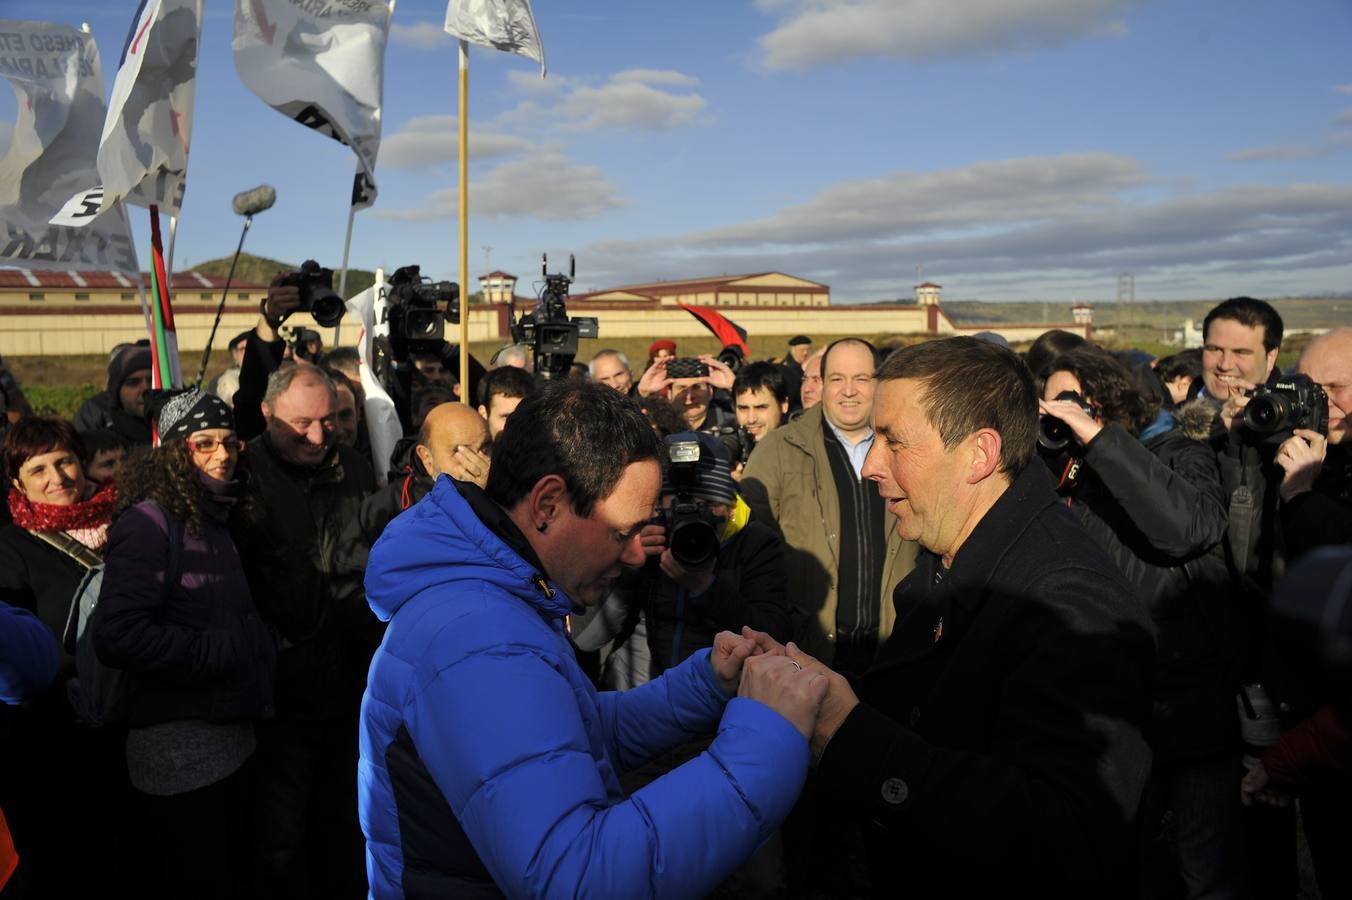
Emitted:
<point x="260" y="270"/>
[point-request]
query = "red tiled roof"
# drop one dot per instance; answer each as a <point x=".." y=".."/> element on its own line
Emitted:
<point x="498" y="273"/>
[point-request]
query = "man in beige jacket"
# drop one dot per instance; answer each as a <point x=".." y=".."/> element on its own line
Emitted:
<point x="842" y="558"/>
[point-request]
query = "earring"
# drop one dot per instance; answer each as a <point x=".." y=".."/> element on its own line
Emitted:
<point x="542" y="527"/>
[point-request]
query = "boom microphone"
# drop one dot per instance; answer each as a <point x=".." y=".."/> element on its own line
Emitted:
<point x="247" y="204"/>
<point x="250" y="203"/>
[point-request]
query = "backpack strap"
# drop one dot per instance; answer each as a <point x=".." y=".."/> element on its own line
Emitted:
<point x="69" y="546"/>
<point x="173" y="569"/>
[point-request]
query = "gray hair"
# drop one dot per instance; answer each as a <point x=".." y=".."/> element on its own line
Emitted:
<point x="618" y="354"/>
<point x="279" y="382"/>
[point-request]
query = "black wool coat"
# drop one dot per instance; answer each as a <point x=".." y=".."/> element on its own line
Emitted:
<point x="1159" y="511"/>
<point x="999" y="749"/>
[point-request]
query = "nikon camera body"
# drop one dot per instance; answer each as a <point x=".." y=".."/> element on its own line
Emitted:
<point x="1275" y="411"/>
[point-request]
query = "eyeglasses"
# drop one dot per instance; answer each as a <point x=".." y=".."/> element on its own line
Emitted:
<point x="209" y="445"/>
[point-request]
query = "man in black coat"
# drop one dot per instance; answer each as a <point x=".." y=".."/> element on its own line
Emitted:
<point x="304" y="563"/>
<point x="996" y="746"/>
<point x="121" y="408"/>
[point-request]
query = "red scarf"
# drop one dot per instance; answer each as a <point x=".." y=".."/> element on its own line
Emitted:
<point x="90" y="513"/>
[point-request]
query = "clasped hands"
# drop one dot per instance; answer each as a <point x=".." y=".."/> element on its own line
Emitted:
<point x="810" y="695"/>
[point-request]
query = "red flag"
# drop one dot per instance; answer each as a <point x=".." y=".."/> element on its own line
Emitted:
<point x="726" y="330"/>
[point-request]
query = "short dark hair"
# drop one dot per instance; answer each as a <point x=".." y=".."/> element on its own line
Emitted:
<point x="585" y="433"/>
<point x="101" y="440"/>
<point x="1251" y="313"/>
<point x="971" y="384"/>
<point x="826" y="354"/>
<point x="759" y="375"/>
<point x="34" y="435"/>
<point x="1113" y="387"/>
<point x="1046" y="347"/>
<point x="1184" y="362"/>
<point x="507" y="381"/>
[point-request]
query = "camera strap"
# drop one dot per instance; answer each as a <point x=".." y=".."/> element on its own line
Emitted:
<point x="1243" y="510"/>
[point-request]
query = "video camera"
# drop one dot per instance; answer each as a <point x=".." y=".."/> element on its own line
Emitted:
<point x="549" y="330"/>
<point x="1055" y="436"/>
<point x="1272" y="413"/>
<point x="317" y="296"/>
<point x="419" y="308"/>
<point x="692" y="531"/>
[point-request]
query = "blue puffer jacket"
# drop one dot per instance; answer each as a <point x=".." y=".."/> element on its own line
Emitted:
<point x="488" y="761"/>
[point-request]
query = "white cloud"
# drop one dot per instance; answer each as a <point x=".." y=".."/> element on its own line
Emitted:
<point x="1343" y="88"/>
<point x="655" y="76"/>
<point x="633" y="99"/>
<point x="1343" y="118"/>
<point x="421" y="35"/>
<point x="818" y="32"/>
<point x="1276" y="152"/>
<point x="1070" y="221"/>
<point x="543" y="184"/>
<point x="431" y="140"/>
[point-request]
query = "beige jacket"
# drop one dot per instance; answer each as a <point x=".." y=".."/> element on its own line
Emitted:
<point x="788" y="484"/>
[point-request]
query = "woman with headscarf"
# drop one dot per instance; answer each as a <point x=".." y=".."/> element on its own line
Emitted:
<point x="200" y="658"/>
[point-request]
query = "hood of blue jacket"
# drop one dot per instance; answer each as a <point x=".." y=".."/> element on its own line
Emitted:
<point x="440" y="542"/>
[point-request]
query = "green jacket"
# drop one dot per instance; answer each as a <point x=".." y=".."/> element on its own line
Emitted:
<point x="788" y="484"/>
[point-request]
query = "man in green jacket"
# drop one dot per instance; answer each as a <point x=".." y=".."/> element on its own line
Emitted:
<point x="842" y="559"/>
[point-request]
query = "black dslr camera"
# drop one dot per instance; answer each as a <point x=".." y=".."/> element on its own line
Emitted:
<point x="1272" y="413"/>
<point x="419" y="308"/>
<point x="1055" y="436"/>
<point x="692" y="531"/>
<point x="549" y="330"/>
<point x="739" y="442"/>
<point x="317" y="296"/>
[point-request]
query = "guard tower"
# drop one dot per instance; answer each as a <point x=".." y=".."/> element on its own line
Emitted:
<point x="927" y="294"/>
<point x="498" y="287"/>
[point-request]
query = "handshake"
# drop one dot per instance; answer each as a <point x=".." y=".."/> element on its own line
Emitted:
<point x="810" y="695"/>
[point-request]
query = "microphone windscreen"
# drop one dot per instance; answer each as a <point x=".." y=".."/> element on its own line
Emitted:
<point x="248" y="203"/>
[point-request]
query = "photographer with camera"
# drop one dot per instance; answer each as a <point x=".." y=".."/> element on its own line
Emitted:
<point x="708" y="570"/>
<point x="1150" y="495"/>
<point x="1316" y="490"/>
<point x="697" y="386"/>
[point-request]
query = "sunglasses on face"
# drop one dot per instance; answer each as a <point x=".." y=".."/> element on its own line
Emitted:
<point x="209" y="445"/>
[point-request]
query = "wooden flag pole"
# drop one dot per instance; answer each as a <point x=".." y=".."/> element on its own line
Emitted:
<point x="464" y="223"/>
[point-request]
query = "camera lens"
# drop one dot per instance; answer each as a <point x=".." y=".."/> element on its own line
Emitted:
<point x="327" y="310"/>
<point x="693" y="543"/>
<point x="1266" y="414"/>
<point x="1052" y="434"/>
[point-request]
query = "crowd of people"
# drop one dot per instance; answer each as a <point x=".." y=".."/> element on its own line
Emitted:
<point x="943" y="620"/>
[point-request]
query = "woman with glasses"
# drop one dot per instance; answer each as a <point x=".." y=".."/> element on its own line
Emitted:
<point x="175" y="612"/>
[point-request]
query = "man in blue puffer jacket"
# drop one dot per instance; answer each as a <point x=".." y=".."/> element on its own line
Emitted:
<point x="488" y="762"/>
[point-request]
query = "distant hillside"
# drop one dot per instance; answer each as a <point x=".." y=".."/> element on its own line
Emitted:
<point x="260" y="270"/>
<point x="1297" y="312"/>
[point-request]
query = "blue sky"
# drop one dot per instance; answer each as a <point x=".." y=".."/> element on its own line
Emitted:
<point x="1016" y="149"/>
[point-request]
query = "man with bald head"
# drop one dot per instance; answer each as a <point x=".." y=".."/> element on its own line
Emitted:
<point x="453" y="440"/>
<point x="1316" y="488"/>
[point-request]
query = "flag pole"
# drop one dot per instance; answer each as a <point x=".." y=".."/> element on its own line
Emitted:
<point x="342" y="273"/>
<point x="464" y="222"/>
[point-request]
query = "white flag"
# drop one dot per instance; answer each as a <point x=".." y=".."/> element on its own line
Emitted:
<point x="506" y="25"/>
<point x="321" y="64"/>
<point x="382" y="420"/>
<point x="56" y="74"/>
<point x="143" y="155"/>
